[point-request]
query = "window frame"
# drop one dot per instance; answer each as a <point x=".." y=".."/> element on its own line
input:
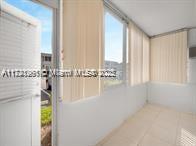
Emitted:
<point x="124" y="47"/>
<point x="57" y="9"/>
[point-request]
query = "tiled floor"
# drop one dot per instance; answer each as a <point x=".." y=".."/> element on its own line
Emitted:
<point x="155" y="125"/>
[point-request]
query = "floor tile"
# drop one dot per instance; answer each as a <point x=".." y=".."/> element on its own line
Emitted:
<point x="134" y="132"/>
<point x="167" y="135"/>
<point x="117" y="141"/>
<point x="155" y="125"/>
<point x="149" y="140"/>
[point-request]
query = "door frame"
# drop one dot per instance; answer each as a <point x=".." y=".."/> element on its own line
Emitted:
<point x="56" y="6"/>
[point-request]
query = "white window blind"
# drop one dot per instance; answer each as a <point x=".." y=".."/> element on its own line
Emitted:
<point x="19" y="49"/>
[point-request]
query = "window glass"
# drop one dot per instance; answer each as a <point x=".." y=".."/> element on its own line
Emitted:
<point x="113" y="49"/>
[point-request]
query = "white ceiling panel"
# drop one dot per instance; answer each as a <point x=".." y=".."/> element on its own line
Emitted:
<point x="159" y="16"/>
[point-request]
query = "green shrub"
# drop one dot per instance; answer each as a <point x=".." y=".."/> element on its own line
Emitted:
<point x="46" y="115"/>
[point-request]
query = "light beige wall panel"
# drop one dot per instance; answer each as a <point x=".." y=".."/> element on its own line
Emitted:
<point x="82" y="44"/>
<point x="169" y="58"/>
<point x="69" y="45"/>
<point x="146" y="57"/>
<point x="93" y="56"/>
<point x="135" y="59"/>
<point x="139" y="56"/>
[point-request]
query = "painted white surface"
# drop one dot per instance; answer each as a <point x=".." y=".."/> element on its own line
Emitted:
<point x="192" y="37"/>
<point x="86" y="122"/>
<point x="192" y="71"/>
<point x="179" y="96"/>
<point x="36" y="121"/>
<point x="159" y="16"/>
<point x="15" y="123"/>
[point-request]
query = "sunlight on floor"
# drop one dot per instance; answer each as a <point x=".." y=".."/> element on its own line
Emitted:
<point x="187" y="138"/>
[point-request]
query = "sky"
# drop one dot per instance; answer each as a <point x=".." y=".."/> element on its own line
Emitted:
<point x="44" y="15"/>
<point x="113" y="39"/>
<point x="113" y="29"/>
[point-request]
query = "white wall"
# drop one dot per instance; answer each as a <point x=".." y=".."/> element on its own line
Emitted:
<point x="179" y="96"/>
<point x="86" y="122"/>
<point x="192" y="37"/>
<point x="192" y="70"/>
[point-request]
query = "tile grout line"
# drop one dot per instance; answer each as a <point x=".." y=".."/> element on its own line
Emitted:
<point x="148" y="128"/>
<point x="178" y="125"/>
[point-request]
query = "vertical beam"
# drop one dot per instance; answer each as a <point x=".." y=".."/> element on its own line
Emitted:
<point x="124" y="52"/>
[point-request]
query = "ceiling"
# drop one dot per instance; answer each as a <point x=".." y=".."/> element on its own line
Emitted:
<point x="159" y="16"/>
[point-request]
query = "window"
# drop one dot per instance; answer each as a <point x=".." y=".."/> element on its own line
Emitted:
<point x="49" y="58"/>
<point x="114" y="49"/>
<point x="46" y="58"/>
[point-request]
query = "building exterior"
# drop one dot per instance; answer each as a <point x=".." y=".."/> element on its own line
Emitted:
<point x="46" y="61"/>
